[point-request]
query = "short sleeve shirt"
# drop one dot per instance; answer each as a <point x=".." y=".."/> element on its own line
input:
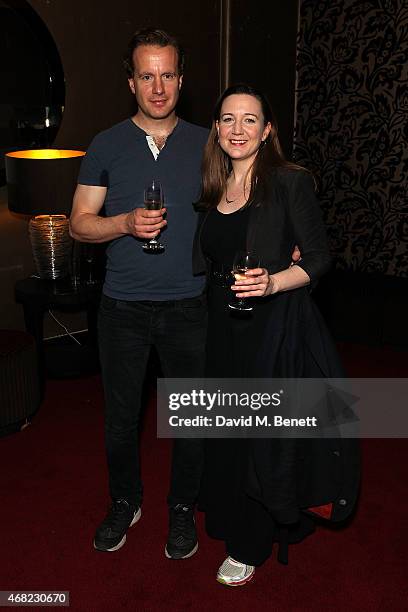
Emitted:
<point x="120" y="160"/>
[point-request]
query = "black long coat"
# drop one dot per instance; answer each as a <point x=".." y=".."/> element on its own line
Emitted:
<point x="293" y="475"/>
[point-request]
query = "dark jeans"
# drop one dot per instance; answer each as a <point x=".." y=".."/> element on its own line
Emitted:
<point x="127" y="331"/>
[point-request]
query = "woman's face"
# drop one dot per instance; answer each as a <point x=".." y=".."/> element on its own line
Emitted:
<point x="241" y="127"/>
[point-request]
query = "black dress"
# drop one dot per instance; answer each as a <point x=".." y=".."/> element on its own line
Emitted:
<point x="255" y="492"/>
<point x="233" y="344"/>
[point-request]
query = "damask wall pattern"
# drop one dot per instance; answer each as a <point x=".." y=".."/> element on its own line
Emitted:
<point x="352" y="129"/>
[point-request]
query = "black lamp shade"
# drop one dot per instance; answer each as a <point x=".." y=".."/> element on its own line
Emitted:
<point x="42" y="181"/>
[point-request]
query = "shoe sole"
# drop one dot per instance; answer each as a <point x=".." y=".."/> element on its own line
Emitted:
<point x="123" y="540"/>
<point x="190" y="554"/>
<point x="237" y="583"/>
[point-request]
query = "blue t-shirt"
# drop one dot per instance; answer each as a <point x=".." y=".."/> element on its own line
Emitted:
<point x="121" y="160"/>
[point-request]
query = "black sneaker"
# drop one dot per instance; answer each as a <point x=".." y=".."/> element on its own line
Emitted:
<point x="182" y="541"/>
<point x="111" y="533"/>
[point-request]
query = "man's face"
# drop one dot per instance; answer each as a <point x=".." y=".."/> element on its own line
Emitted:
<point x="156" y="82"/>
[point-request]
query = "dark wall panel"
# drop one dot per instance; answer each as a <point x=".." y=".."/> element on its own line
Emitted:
<point x="91" y="37"/>
<point x="263" y="53"/>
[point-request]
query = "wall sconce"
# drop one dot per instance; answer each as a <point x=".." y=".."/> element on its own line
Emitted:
<point x="41" y="183"/>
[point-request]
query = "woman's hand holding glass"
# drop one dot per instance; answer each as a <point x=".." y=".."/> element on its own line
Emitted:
<point x="255" y="283"/>
<point x="250" y="280"/>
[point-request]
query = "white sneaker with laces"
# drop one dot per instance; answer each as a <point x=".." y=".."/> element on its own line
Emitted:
<point x="234" y="573"/>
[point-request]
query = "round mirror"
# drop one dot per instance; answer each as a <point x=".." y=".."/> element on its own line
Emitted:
<point x="33" y="92"/>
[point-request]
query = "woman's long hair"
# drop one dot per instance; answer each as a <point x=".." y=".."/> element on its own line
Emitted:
<point x="217" y="166"/>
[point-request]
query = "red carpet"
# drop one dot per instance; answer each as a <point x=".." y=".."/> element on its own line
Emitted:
<point x="54" y="493"/>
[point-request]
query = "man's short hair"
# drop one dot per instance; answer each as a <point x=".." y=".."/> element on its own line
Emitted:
<point x="153" y="37"/>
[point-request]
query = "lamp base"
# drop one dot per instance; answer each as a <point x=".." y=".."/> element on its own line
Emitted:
<point x="51" y="245"/>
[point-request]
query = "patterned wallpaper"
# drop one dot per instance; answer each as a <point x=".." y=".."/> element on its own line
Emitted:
<point x="352" y="129"/>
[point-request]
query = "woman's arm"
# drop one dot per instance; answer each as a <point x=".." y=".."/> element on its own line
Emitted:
<point x="310" y="235"/>
<point x="258" y="282"/>
<point x="308" y="225"/>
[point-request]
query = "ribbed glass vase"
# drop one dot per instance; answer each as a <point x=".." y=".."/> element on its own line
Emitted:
<point x="52" y="245"/>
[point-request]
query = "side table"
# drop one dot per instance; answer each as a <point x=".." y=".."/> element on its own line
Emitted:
<point x="37" y="296"/>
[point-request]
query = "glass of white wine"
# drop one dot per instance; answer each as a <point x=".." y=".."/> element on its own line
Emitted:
<point x="153" y="200"/>
<point x="243" y="261"/>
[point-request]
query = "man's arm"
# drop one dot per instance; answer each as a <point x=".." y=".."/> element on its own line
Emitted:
<point x="87" y="225"/>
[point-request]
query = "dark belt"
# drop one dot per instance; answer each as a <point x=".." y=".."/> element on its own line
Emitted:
<point x="219" y="274"/>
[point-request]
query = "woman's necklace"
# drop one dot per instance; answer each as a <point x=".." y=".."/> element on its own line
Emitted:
<point x="226" y="198"/>
<point x="236" y="197"/>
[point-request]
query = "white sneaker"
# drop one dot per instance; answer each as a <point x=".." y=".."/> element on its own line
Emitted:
<point x="234" y="573"/>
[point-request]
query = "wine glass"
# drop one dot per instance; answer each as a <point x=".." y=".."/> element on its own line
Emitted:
<point x="90" y="258"/>
<point x="243" y="261"/>
<point x="153" y="200"/>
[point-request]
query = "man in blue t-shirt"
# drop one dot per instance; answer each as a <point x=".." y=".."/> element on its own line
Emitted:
<point x="148" y="299"/>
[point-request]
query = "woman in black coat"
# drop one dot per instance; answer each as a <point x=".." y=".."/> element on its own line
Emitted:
<point x="259" y="491"/>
